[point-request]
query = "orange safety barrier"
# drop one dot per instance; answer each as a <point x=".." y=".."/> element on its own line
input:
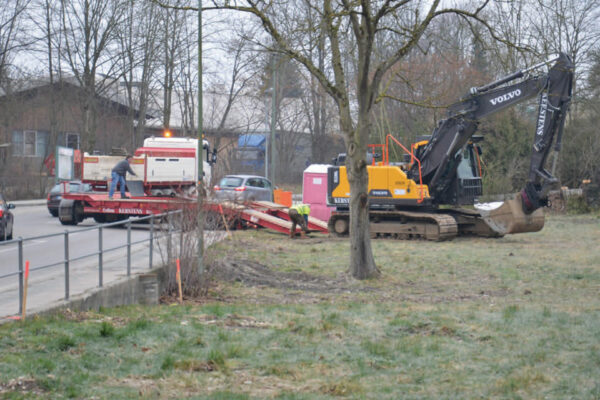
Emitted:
<point x="282" y="197"/>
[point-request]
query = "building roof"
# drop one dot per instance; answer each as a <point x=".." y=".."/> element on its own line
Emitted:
<point x="35" y="86"/>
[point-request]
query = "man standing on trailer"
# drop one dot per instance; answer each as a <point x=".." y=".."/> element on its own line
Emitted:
<point x="118" y="176"/>
<point x="299" y="216"/>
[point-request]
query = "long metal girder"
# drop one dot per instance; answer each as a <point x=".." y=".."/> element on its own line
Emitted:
<point x="281" y="211"/>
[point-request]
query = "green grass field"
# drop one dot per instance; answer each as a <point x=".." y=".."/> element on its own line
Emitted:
<point x="510" y="318"/>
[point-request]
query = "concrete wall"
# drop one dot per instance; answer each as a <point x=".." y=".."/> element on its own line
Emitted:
<point x="137" y="289"/>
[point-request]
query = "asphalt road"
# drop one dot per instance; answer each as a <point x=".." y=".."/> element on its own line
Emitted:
<point x="47" y="285"/>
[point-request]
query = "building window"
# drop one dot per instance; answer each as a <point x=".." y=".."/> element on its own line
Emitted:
<point x="72" y="140"/>
<point x="29" y="143"/>
<point x="17" y="143"/>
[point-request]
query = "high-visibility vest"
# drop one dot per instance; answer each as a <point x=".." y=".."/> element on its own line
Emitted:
<point x="303" y="209"/>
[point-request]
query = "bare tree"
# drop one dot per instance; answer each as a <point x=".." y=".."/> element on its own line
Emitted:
<point x="569" y="26"/>
<point x="89" y="32"/>
<point x="138" y="41"/>
<point x="174" y="40"/>
<point x="352" y="28"/>
<point x="13" y="39"/>
<point x="187" y="84"/>
<point x="232" y="85"/>
<point x="51" y="41"/>
<point x="12" y="15"/>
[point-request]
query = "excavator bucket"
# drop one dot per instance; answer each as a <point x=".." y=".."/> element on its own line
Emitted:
<point x="510" y="218"/>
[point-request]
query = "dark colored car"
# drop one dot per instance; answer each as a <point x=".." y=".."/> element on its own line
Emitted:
<point x="55" y="194"/>
<point x="6" y="219"/>
<point x="241" y="188"/>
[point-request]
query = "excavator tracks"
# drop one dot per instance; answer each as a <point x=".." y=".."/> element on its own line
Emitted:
<point x="400" y="225"/>
<point x="445" y="224"/>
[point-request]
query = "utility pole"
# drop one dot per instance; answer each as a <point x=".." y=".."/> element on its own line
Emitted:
<point x="273" y="117"/>
<point x="199" y="151"/>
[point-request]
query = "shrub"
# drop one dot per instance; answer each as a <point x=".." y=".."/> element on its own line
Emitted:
<point x="577" y="205"/>
<point x="64" y="343"/>
<point x="107" y="329"/>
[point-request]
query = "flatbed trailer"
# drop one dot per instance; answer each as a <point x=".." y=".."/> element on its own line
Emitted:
<point x="75" y="207"/>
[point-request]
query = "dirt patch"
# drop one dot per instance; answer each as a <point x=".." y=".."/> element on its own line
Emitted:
<point x="251" y="273"/>
<point x="77" y="316"/>
<point x="302" y="287"/>
<point x="21" y="385"/>
<point x="234" y="321"/>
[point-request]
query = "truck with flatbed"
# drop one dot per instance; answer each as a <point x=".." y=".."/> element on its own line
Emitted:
<point x="166" y="179"/>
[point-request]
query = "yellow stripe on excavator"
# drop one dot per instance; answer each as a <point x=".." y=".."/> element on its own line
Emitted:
<point x="419" y="144"/>
<point x="385" y="181"/>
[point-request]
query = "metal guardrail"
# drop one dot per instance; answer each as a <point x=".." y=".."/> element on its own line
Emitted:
<point x="100" y="253"/>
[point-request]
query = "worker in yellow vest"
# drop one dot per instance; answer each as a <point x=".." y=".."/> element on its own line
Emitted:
<point x="299" y="216"/>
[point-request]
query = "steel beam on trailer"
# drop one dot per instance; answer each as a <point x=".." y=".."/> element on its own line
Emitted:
<point x="267" y="221"/>
<point x="314" y="224"/>
<point x="256" y="217"/>
<point x="281" y="211"/>
<point x="266" y="214"/>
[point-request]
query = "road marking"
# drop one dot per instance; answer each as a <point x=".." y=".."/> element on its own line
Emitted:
<point x="26" y="244"/>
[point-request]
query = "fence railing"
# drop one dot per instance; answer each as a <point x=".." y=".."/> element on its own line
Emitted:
<point x="156" y="224"/>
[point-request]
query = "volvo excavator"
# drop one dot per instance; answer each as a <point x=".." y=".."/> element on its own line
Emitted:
<point x="419" y="198"/>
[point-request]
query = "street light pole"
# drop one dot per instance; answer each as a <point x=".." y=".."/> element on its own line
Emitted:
<point x="267" y="142"/>
<point x="273" y="117"/>
<point x="199" y="151"/>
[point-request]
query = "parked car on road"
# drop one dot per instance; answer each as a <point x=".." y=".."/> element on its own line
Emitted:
<point x="55" y="194"/>
<point x="241" y="188"/>
<point x="6" y="219"/>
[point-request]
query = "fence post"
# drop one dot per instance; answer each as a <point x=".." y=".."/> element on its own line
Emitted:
<point x="66" y="265"/>
<point x="169" y="250"/>
<point x="181" y="234"/>
<point x="100" y="250"/>
<point x="151" y="240"/>
<point x="20" y="275"/>
<point x="129" y="247"/>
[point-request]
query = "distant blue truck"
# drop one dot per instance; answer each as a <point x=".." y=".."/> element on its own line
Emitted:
<point x="250" y="154"/>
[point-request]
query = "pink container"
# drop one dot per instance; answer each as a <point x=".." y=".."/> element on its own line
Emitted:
<point x="314" y="191"/>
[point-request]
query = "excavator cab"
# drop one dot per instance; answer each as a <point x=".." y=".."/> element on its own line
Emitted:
<point x="466" y="186"/>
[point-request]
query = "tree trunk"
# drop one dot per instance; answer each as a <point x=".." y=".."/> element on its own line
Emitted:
<point x="362" y="263"/>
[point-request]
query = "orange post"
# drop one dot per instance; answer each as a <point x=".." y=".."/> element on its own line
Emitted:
<point x="282" y="197"/>
<point x="277" y="196"/>
<point x="178" y="277"/>
<point x="25" y="289"/>
<point x="224" y="221"/>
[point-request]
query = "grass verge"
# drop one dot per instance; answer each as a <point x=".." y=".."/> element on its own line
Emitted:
<point x="510" y="318"/>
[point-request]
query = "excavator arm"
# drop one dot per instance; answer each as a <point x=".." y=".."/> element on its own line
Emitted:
<point x="441" y="156"/>
<point x="554" y="104"/>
